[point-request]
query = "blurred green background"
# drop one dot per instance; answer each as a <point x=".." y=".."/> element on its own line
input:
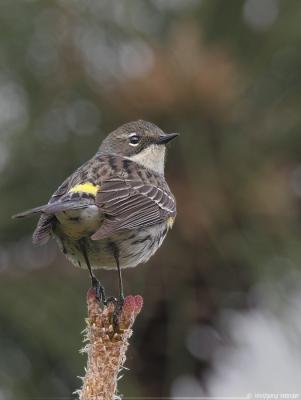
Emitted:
<point x="226" y="75"/>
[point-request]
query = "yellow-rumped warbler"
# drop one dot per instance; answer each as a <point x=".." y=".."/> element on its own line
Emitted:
<point x="116" y="209"/>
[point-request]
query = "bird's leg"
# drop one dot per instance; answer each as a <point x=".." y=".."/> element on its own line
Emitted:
<point x="117" y="302"/>
<point x="99" y="290"/>
<point x="120" y="283"/>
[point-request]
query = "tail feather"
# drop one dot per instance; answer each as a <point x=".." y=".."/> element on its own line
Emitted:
<point x="31" y="212"/>
<point x="54" y="208"/>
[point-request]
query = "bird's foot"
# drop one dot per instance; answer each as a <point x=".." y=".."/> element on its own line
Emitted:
<point x="101" y="297"/>
<point x="99" y="290"/>
<point x="118" y="304"/>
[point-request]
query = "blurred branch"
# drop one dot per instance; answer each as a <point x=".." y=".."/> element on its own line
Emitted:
<point x="107" y="343"/>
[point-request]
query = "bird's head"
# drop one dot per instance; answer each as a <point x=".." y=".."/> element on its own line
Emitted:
<point x="140" y="141"/>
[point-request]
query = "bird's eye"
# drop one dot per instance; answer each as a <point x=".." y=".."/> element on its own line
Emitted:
<point x="134" y="139"/>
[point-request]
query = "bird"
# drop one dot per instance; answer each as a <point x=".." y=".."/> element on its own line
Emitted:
<point x="116" y="209"/>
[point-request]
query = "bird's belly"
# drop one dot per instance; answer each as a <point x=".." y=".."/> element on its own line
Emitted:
<point x="140" y="245"/>
<point x="134" y="247"/>
<point x="79" y="223"/>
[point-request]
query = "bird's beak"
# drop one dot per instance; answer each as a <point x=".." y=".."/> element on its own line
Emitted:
<point x="166" y="137"/>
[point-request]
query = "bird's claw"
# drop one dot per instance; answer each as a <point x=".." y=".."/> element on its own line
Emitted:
<point x="100" y="295"/>
<point x="118" y="304"/>
<point x="99" y="290"/>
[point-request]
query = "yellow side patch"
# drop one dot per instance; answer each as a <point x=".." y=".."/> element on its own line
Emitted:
<point x="86" y="187"/>
<point x="170" y="221"/>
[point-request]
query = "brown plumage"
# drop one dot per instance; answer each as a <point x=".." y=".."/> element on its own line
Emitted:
<point x="117" y="207"/>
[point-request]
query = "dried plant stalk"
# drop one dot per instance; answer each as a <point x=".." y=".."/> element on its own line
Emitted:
<point x="107" y="342"/>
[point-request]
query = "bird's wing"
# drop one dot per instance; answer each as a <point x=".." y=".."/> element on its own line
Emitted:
<point x="129" y="195"/>
<point x="70" y="195"/>
<point x="43" y="230"/>
<point x="132" y="204"/>
<point x="77" y="197"/>
<point x="47" y="221"/>
<point x="83" y="184"/>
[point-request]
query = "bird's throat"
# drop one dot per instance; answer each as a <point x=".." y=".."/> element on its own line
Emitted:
<point x="153" y="157"/>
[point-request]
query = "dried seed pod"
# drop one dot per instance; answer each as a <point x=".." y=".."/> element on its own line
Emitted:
<point x="106" y="345"/>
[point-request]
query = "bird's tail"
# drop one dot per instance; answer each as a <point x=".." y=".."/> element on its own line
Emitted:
<point x="54" y="208"/>
<point x="31" y="212"/>
<point x="43" y="230"/>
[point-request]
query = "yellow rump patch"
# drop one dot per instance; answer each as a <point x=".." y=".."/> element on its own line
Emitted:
<point x="170" y="221"/>
<point x="86" y="187"/>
